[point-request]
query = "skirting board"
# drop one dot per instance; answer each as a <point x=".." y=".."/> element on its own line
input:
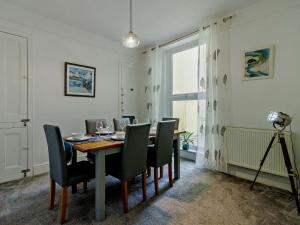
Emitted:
<point x="14" y="177"/>
<point x="263" y="178"/>
<point x="40" y="168"/>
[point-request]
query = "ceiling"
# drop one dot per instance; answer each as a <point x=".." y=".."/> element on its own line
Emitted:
<point x="155" y="21"/>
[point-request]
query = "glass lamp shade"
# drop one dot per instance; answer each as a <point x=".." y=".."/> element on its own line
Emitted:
<point x="131" y="40"/>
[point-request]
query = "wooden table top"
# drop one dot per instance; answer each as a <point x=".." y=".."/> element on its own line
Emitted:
<point x="107" y="144"/>
<point x="97" y="145"/>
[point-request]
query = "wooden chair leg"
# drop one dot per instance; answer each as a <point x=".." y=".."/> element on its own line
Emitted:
<point x="85" y="186"/>
<point x="149" y="171"/>
<point x="170" y="174"/>
<point x="161" y="172"/>
<point x="125" y="196"/>
<point x="52" y="194"/>
<point x="144" y="186"/>
<point x="64" y="200"/>
<point x="156" y="180"/>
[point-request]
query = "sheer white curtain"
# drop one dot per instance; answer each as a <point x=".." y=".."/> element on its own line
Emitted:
<point x="156" y="90"/>
<point x="214" y="84"/>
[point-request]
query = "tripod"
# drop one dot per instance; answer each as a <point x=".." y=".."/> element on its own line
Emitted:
<point x="288" y="165"/>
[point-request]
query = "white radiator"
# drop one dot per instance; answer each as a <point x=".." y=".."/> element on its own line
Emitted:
<point x="246" y="147"/>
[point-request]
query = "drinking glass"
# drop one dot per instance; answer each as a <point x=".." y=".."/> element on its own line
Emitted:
<point x="99" y="126"/>
<point x="154" y="124"/>
<point x="135" y="121"/>
<point x="109" y="128"/>
<point x="122" y="125"/>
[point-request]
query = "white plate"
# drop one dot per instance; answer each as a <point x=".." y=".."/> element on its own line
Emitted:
<point x="117" y="138"/>
<point x="104" y="132"/>
<point x="85" y="138"/>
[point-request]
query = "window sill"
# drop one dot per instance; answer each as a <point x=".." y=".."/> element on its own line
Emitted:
<point x="188" y="154"/>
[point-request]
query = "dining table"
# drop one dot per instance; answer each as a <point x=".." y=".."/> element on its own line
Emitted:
<point x="106" y="146"/>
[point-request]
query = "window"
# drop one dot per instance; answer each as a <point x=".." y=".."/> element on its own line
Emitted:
<point x="186" y="97"/>
<point x="185" y="71"/>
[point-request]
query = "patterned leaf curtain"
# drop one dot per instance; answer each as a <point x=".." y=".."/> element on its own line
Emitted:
<point x="214" y="84"/>
<point x="155" y="89"/>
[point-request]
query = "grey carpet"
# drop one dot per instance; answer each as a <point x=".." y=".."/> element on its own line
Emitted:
<point x="199" y="197"/>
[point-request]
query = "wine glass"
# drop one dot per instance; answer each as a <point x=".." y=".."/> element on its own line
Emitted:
<point x="154" y="123"/>
<point x="109" y="128"/>
<point x="122" y="125"/>
<point x="99" y="126"/>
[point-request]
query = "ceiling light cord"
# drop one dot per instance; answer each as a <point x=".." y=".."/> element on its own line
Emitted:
<point x="131" y="16"/>
<point x="130" y="40"/>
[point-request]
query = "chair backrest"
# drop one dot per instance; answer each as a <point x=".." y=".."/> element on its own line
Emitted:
<point x="131" y="118"/>
<point x="57" y="155"/>
<point x="90" y="125"/>
<point x="134" y="154"/>
<point x="120" y="120"/>
<point x="164" y="141"/>
<point x="176" y="121"/>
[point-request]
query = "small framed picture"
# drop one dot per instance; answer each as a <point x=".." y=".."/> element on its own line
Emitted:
<point x="258" y="63"/>
<point x="80" y="80"/>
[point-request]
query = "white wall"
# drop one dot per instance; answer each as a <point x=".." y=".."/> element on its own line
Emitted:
<point x="51" y="106"/>
<point x="50" y="45"/>
<point x="269" y="22"/>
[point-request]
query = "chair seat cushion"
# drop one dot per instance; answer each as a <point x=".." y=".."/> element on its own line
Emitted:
<point x="81" y="171"/>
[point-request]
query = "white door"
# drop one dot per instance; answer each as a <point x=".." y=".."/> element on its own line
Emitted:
<point x="13" y="107"/>
<point x="129" y="90"/>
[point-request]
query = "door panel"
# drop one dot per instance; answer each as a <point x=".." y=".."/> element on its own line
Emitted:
<point x="13" y="106"/>
<point x="13" y="85"/>
<point x="13" y="154"/>
<point x="129" y="90"/>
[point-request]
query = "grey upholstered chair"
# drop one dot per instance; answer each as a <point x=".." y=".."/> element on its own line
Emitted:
<point x="160" y="153"/>
<point x="90" y="125"/>
<point x="176" y="121"/>
<point x="120" y="120"/>
<point x="132" y="161"/>
<point x="61" y="173"/>
<point x="175" y="128"/>
<point x="131" y="118"/>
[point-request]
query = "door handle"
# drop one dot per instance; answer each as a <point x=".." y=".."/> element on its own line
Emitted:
<point x="25" y="121"/>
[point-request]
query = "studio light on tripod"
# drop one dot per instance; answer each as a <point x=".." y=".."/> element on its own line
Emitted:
<point x="279" y="119"/>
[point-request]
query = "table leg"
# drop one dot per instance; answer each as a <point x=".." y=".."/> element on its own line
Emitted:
<point x="176" y="147"/>
<point x="74" y="161"/>
<point x="100" y="185"/>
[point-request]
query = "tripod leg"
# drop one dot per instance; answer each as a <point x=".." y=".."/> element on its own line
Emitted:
<point x="263" y="160"/>
<point x="289" y="168"/>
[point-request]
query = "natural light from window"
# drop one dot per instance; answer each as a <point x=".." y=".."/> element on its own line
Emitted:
<point x="185" y="90"/>
<point x="185" y="71"/>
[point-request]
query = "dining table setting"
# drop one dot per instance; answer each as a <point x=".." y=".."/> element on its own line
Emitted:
<point x="105" y="142"/>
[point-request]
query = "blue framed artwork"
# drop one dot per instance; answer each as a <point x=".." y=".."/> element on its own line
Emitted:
<point x="80" y="80"/>
<point x="258" y="63"/>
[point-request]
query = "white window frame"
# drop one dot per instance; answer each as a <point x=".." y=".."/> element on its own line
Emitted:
<point x="185" y="96"/>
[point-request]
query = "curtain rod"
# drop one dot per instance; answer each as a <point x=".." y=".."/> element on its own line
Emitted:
<point x="225" y="19"/>
<point x="179" y="38"/>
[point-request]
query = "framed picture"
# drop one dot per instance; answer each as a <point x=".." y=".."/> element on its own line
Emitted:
<point x="258" y="63"/>
<point x="80" y="80"/>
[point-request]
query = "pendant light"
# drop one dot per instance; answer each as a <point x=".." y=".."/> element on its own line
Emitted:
<point x="131" y="40"/>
